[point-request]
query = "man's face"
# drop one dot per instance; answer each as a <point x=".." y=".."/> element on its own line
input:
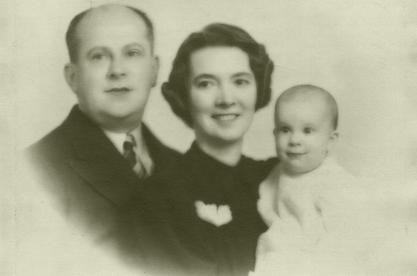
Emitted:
<point x="303" y="134"/>
<point x="115" y="67"/>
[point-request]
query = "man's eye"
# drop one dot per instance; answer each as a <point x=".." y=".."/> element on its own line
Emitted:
<point x="134" y="53"/>
<point x="97" y="56"/>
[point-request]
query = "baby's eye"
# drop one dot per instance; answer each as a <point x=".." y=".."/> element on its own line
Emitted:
<point x="308" y="130"/>
<point x="284" y="129"/>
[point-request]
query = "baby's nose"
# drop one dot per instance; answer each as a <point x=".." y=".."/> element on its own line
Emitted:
<point x="295" y="138"/>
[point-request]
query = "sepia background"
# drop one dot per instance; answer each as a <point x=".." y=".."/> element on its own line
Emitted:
<point x="364" y="52"/>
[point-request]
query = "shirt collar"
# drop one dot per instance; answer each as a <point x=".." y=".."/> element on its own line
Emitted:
<point x="118" y="138"/>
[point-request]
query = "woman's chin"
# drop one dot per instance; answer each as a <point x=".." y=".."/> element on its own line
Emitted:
<point x="220" y="141"/>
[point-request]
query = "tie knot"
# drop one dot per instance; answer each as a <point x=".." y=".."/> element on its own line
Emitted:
<point x="129" y="142"/>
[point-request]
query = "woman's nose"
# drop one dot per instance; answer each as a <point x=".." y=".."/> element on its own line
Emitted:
<point x="116" y="68"/>
<point x="225" y="96"/>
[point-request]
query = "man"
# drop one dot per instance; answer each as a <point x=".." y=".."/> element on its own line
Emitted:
<point x="99" y="156"/>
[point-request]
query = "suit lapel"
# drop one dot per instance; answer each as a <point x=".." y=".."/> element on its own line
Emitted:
<point x="161" y="155"/>
<point x="109" y="175"/>
<point x="98" y="162"/>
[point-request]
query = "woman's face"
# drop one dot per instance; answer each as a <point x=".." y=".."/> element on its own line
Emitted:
<point x="222" y="91"/>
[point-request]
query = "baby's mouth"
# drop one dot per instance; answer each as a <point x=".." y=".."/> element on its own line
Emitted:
<point x="295" y="154"/>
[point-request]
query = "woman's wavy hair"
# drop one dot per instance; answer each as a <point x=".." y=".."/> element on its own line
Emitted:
<point x="175" y="90"/>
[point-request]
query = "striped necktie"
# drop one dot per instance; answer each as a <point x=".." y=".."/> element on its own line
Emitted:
<point x="129" y="153"/>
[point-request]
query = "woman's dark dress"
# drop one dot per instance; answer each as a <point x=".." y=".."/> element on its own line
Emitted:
<point x="173" y="239"/>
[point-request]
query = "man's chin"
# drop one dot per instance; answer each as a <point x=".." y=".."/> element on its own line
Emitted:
<point x="120" y="121"/>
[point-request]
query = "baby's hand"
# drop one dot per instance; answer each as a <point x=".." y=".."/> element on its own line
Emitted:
<point x="283" y="234"/>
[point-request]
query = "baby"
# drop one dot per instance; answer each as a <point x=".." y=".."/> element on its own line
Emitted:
<point x="322" y="220"/>
<point x="296" y="198"/>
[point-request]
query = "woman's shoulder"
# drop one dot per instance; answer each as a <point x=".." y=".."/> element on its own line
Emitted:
<point x="258" y="170"/>
<point x="266" y="162"/>
<point x="263" y="165"/>
<point x="170" y="178"/>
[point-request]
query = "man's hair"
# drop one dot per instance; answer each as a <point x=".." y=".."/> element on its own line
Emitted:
<point x="308" y="90"/>
<point x="176" y="89"/>
<point x="73" y="41"/>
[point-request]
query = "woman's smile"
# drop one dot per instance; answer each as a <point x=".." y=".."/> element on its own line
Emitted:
<point x="225" y="117"/>
<point x="118" y="90"/>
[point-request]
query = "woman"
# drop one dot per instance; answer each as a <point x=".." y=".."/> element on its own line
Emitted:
<point x="200" y="215"/>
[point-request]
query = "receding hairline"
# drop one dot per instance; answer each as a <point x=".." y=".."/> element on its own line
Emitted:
<point x="305" y="91"/>
<point x="72" y="37"/>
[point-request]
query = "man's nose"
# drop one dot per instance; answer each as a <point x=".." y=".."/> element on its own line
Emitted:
<point x="225" y="96"/>
<point x="116" y="68"/>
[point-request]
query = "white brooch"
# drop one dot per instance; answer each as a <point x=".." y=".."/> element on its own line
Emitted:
<point x="217" y="215"/>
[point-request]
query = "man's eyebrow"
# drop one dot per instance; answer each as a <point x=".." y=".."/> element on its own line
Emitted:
<point x="97" y="48"/>
<point x="134" y="44"/>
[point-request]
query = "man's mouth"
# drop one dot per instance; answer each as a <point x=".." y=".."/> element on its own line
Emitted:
<point x="225" y="117"/>
<point x="118" y="90"/>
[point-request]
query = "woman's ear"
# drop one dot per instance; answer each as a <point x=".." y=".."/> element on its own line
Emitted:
<point x="70" y="73"/>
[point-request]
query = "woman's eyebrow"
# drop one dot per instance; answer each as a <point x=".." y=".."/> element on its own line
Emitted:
<point x="242" y="74"/>
<point x="204" y="76"/>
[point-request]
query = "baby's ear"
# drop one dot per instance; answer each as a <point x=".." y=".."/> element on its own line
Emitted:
<point x="334" y="137"/>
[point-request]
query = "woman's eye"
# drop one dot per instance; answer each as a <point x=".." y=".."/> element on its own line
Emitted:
<point x="241" y="82"/>
<point x="204" y="84"/>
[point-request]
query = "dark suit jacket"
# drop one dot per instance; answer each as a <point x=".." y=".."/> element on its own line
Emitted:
<point x="86" y="174"/>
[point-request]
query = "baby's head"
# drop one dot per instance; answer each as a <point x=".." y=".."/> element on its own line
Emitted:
<point x="306" y="119"/>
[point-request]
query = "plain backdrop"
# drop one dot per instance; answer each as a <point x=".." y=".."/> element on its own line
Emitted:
<point x="355" y="49"/>
<point x="364" y="52"/>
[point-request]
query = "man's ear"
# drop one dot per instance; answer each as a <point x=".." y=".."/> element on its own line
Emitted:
<point x="155" y="70"/>
<point x="70" y="73"/>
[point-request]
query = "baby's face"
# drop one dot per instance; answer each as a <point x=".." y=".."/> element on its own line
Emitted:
<point x="303" y="134"/>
